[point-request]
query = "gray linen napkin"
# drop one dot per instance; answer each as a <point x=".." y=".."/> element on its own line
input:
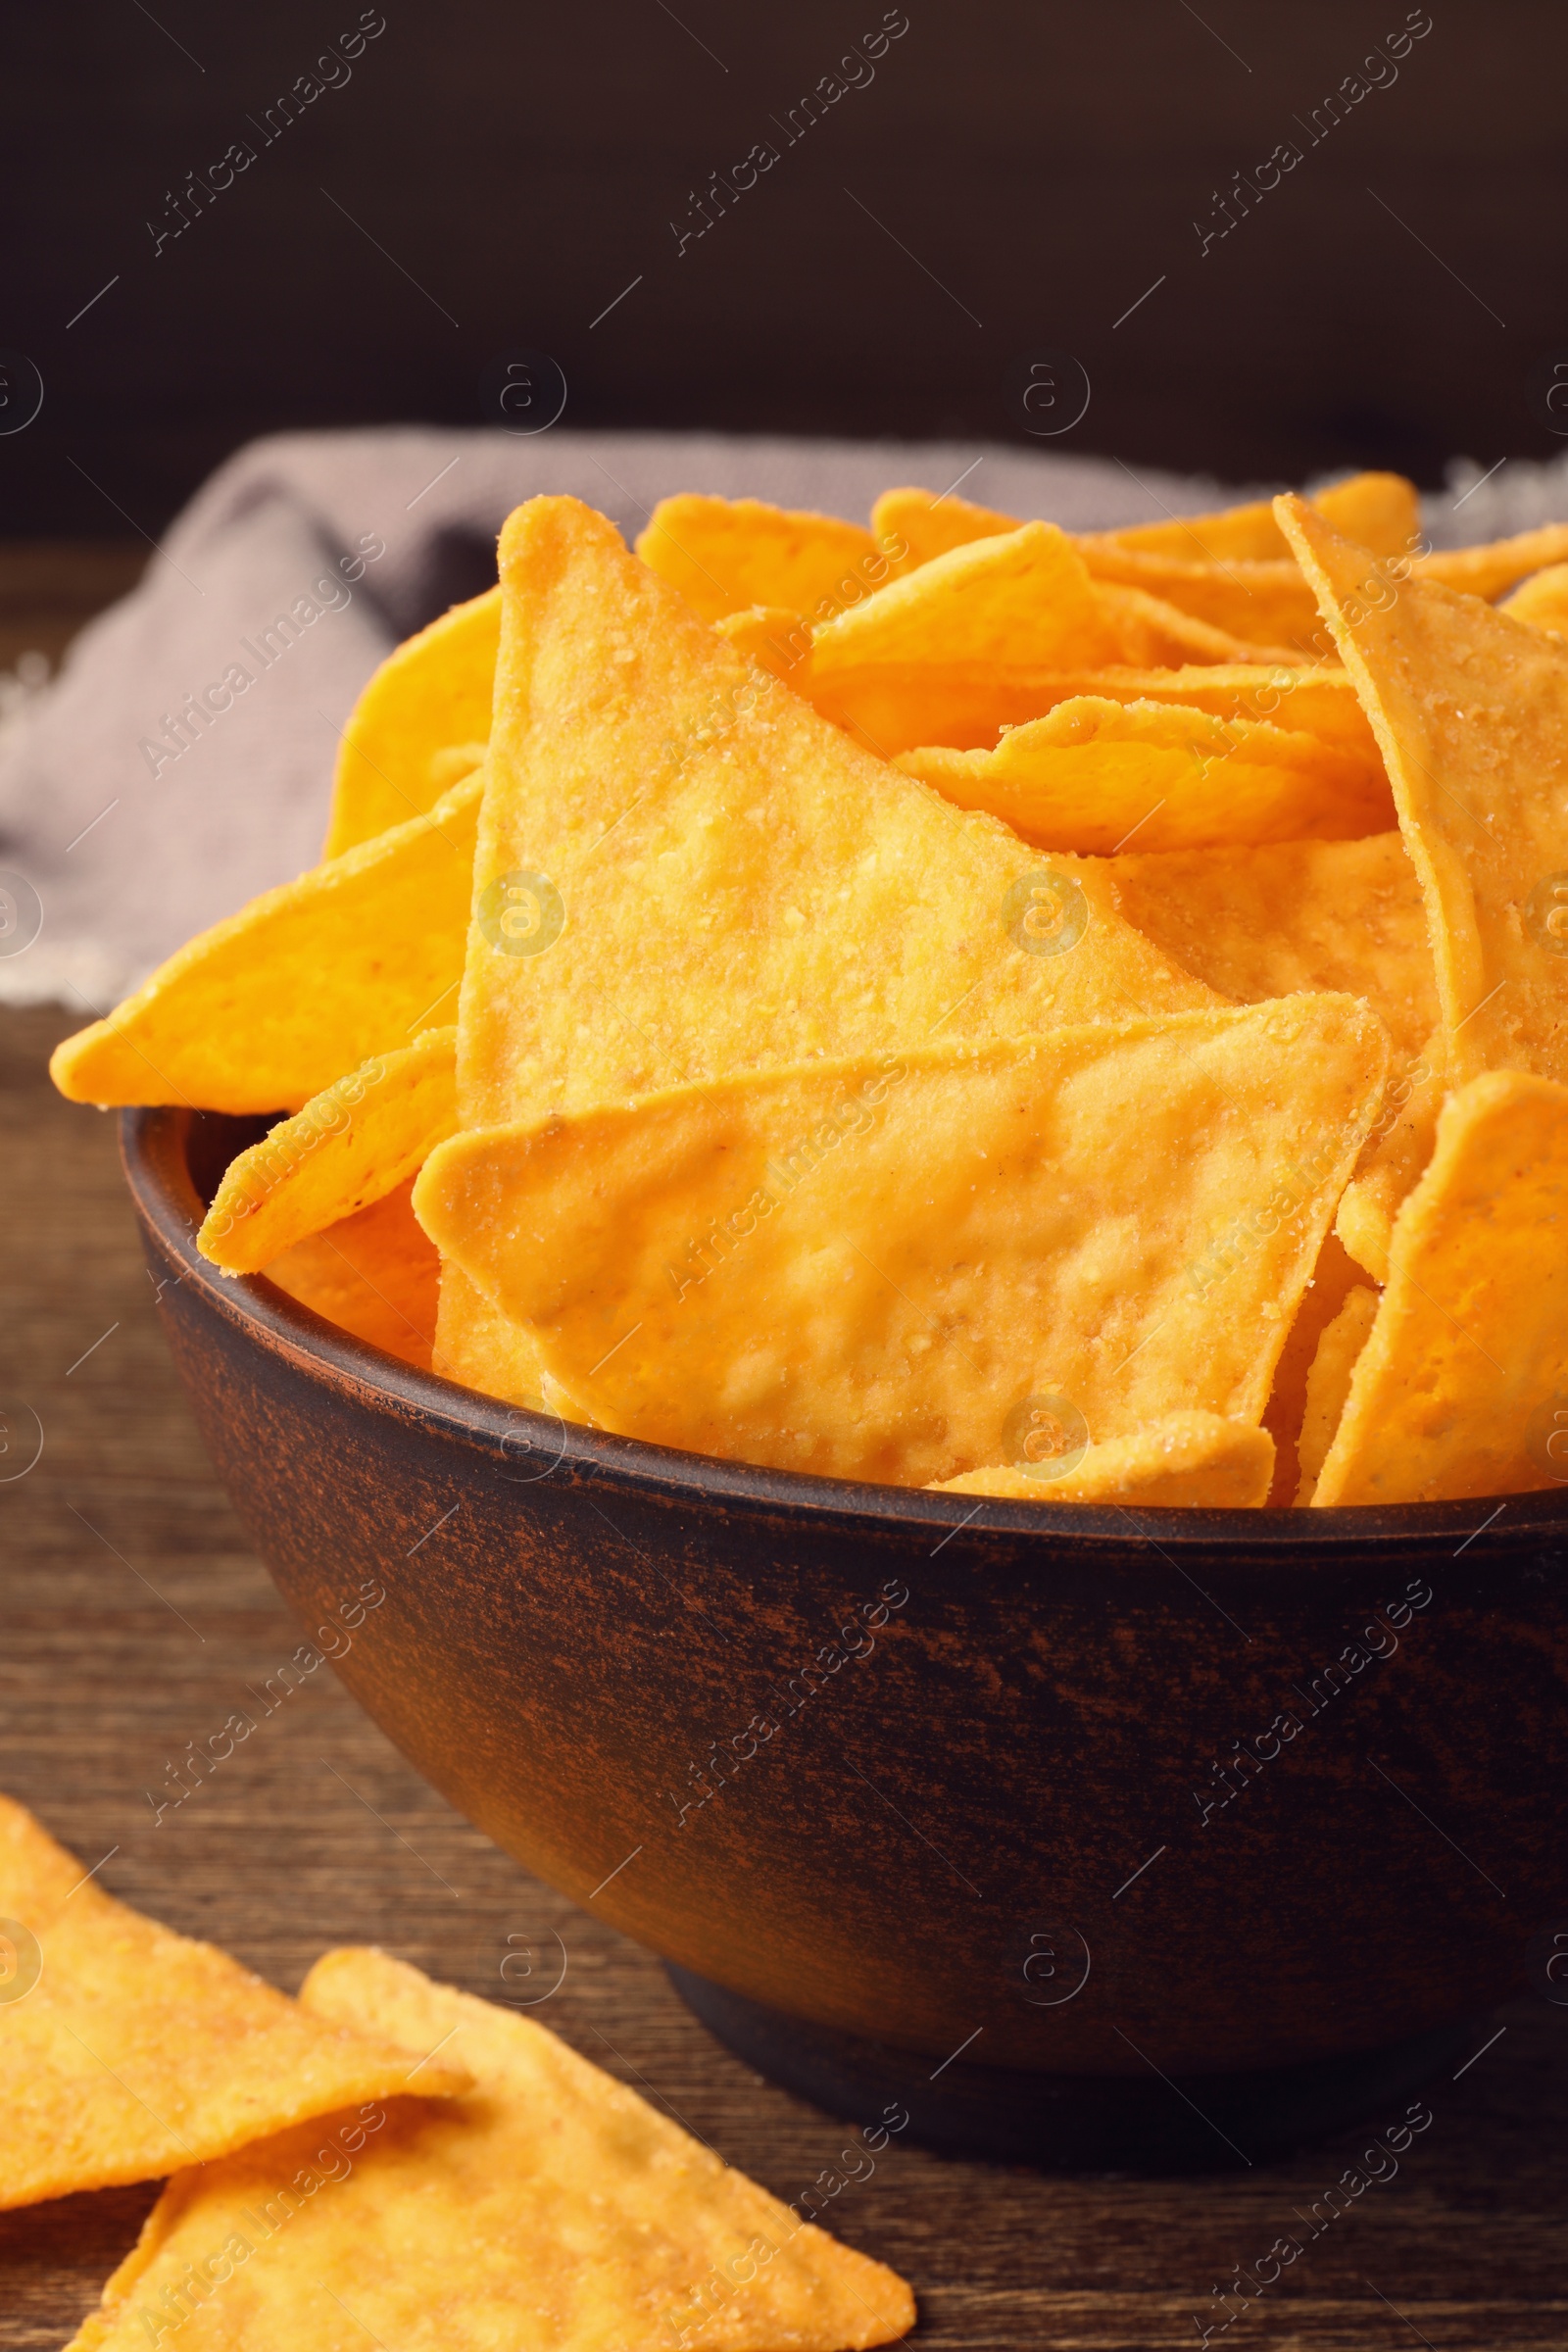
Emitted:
<point x="182" y="760"/>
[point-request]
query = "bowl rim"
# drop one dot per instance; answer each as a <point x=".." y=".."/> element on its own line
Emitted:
<point x="154" y="1154"/>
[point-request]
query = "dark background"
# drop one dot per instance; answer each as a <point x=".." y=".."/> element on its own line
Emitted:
<point x="1031" y="168"/>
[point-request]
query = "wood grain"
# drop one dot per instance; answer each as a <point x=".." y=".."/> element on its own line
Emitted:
<point x="134" y="1618"/>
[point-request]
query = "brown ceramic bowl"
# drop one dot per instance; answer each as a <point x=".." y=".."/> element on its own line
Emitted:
<point x="1101" y="1838"/>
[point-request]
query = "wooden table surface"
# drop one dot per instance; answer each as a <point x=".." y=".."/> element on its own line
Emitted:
<point x="134" y="1614"/>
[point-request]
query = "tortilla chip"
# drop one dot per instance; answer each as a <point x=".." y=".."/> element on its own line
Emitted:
<point x="1290" y="917"/>
<point x="432" y="693"/>
<point x="779" y="640"/>
<point x="1187" y="1458"/>
<point x="725" y="553"/>
<point x="1096" y="773"/>
<point x="366" y="1135"/>
<point x="1396" y="1152"/>
<point x="1334" y="1277"/>
<point x="1471" y="709"/>
<point x="135" y="2049"/>
<point x="477" y="1345"/>
<point x="374" y="1274"/>
<point x="1022" y="597"/>
<point x="897" y="706"/>
<point x="271" y="1004"/>
<point x="1328" y="1384"/>
<point x="1152" y="632"/>
<point x="1381" y="509"/>
<point x="1469" y="1343"/>
<point x="1261" y="602"/>
<point x="863" y="1268"/>
<point x="550" y="2210"/>
<point x="1541" y="600"/>
<point x="451" y="765"/>
<point x="732" y="882"/>
<point x="926" y="523"/>
<point x="1485" y="571"/>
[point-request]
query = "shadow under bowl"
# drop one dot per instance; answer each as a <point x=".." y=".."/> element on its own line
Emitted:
<point x="1154" y="1839"/>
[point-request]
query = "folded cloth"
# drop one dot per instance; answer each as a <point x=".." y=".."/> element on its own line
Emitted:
<point x="182" y="760"/>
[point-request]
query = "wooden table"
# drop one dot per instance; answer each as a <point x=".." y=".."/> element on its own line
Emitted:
<point x="134" y="1614"/>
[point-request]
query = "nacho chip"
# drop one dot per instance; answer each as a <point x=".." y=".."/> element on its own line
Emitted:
<point x="1334" y="1277"/>
<point x="1328" y="1384"/>
<point x="1261" y="602"/>
<point x="361" y="1137"/>
<point x="897" y="707"/>
<point x="271" y="1004"/>
<point x="700" y="875"/>
<point x="869" y="1268"/>
<point x="1292" y="917"/>
<point x="430" y="694"/>
<point x="1471" y="709"/>
<point x="1468" y="1349"/>
<point x="450" y="766"/>
<point x="1485" y="571"/>
<point x="725" y="553"/>
<point x="476" y="1343"/>
<point x="374" y="1274"/>
<point x="779" y="640"/>
<point x="1151" y="633"/>
<point x="1022" y="597"/>
<point x="135" y="2049"/>
<point x="1541" y="600"/>
<point x="1096" y="773"/>
<point x="926" y="523"/>
<point x="550" y="2210"/>
<point x="1194" y="1459"/>
<point x="1396" y="1152"/>
<point x="1383" y="511"/>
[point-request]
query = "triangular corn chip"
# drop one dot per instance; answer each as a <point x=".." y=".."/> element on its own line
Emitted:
<point x="271" y="1004"/>
<point x="1485" y="571"/>
<point x="1470" y="1344"/>
<point x="550" y="2210"/>
<point x="1290" y="917"/>
<point x="477" y="1345"/>
<point x="367" y="1133"/>
<point x="927" y="524"/>
<point x="1151" y="631"/>
<point x="374" y="1274"/>
<point x="1335" y="1275"/>
<point x="1022" y="597"/>
<point x="1471" y="709"/>
<point x="1096" y="773"/>
<point x="1396" y="1152"/>
<point x="428" y="698"/>
<point x="702" y="875"/>
<point x="135" y="2050"/>
<point x="1328" y="1383"/>
<point x="864" y="1268"/>
<point x="1541" y="600"/>
<point x="897" y="707"/>
<point x="725" y="554"/>
<point x="1263" y="603"/>
<point x="779" y="640"/>
<point x="1195" y="1459"/>
<point x="1381" y="509"/>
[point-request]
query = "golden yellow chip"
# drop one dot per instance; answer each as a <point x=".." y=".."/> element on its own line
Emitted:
<point x="1485" y="571"/>
<point x="926" y="525"/>
<point x="550" y="2210"/>
<point x="1471" y="709"/>
<point x="1541" y="600"/>
<point x="779" y="640"/>
<point x="127" y="2050"/>
<point x="1328" y="1384"/>
<point x="271" y="1004"/>
<point x="476" y="1343"/>
<point x="877" y="1268"/>
<point x="361" y="1138"/>
<point x="1381" y="509"/>
<point x="683" y="870"/>
<point x="1455" y="1390"/>
<point x="432" y="694"/>
<point x="1261" y="602"/>
<point x="1152" y="632"/>
<point x="375" y="1274"/>
<point x="1290" y="917"/>
<point x="897" y="707"/>
<point x="1193" y="1459"/>
<point x="1023" y="598"/>
<point x="1335" y="1275"/>
<point x="1396" y="1152"/>
<point x="725" y="553"/>
<point x="1097" y="773"/>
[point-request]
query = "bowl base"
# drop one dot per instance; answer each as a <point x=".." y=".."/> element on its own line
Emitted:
<point x="1076" y="2122"/>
